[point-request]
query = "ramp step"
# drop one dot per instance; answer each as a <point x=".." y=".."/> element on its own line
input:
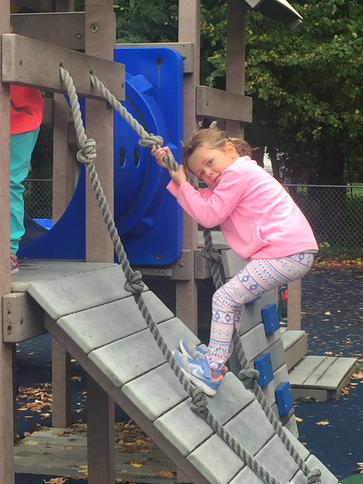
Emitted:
<point x="103" y="330"/>
<point x="321" y="377"/>
<point x="295" y="344"/>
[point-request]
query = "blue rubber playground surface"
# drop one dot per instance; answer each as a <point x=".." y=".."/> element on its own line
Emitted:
<point x="332" y="304"/>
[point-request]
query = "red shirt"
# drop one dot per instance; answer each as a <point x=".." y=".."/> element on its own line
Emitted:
<point x="26" y="109"/>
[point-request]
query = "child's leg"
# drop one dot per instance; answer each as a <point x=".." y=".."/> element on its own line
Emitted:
<point x="256" y="278"/>
<point x="21" y="148"/>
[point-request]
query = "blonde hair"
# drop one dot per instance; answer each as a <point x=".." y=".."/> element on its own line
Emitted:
<point x="214" y="139"/>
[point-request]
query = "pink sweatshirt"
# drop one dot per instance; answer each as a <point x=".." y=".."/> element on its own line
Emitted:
<point x="258" y="218"/>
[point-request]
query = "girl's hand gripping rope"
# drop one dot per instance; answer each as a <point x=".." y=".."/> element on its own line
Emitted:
<point x="178" y="176"/>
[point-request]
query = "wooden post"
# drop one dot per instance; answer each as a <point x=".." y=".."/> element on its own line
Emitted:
<point x="100" y="42"/>
<point x="189" y="31"/>
<point x="61" y="378"/>
<point x="6" y="350"/>
<point x="64" y="181"/>
<point x="235" y="69"/>
<point x="100" y="34"/>
<point x="100" y="435"/>
<point x="294" y="305"/>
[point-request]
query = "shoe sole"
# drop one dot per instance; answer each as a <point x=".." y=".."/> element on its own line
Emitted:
<point x="14" y="271"/>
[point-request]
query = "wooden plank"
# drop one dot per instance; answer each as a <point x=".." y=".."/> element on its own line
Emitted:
<point x="340" y="369"/>
<point x="63" y="451"/>
<point x="96" y="327"/>
<point x="64" y="29"/>
<point x="40" y="270"/>
<point x="29" y="62"/>
<point x="304" y="368"/>
<point x="296" y="352"/>
<point x="186" y="430"/>
<point x="66" y="295"/>
<point x="252" y="316"/>
<point x="314" y="378"/>
<point x="130" y="357"/>
<point x="218" y="104"/>
<point x="156" y="392"/>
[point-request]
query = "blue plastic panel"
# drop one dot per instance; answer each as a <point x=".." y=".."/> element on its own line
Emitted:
<point x="264" y="366"/>
<point x="284" y="399"/>
<point x="270" y="318"/>
<point x="147" y="217"/>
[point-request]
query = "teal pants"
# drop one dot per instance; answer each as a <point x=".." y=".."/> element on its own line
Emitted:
<point x="21" y="149"/>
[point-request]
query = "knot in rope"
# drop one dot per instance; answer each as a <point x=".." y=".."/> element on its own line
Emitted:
<point x="314" y="476"/>
<point x="151" y="140"/>
<point x="199" y="401"/>
<point x="88" y="152"/>
<point x="212" y="255"/>
<point x="135" y="284"/>
<point x="248" y="374"/>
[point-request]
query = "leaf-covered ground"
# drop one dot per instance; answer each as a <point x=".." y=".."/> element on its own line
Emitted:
<point x="332" y="306"/>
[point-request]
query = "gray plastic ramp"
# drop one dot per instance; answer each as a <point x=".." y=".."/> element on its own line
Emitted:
<point x="97" y="321"/>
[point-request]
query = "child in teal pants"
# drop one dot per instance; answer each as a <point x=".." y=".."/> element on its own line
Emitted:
<point x="26" y="113"/>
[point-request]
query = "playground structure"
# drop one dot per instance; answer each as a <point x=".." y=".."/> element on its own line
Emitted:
<point x="19" y="305"/>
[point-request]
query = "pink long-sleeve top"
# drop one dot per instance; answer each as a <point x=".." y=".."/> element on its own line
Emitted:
<point x="258" y="218"/>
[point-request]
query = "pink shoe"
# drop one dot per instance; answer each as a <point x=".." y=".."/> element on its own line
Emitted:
<point x="14" y="265"/>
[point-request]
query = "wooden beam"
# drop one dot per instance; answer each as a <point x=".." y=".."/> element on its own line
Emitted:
<point x="28" y="62"/>
<point x="23" y="318"/>
<point x="218" y="104"/>
<point x="36" y="5"/>
<point x="65" y="29"/>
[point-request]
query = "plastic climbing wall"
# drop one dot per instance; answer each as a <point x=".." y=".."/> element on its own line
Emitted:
<point x="147" y="217"/>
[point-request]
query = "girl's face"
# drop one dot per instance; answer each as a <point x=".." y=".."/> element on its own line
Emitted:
<point x="208" y="164"/>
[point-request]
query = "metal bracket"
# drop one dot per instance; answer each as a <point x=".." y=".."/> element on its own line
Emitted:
<point x="181" y="270"/>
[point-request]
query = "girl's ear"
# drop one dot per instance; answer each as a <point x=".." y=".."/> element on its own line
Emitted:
<point x="231" y="150"/>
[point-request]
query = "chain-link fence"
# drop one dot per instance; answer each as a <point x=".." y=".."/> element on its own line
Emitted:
<point x="334" y="212"/>
<point x="38" y="198"/>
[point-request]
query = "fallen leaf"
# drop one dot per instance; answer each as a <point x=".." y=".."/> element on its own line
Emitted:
<point x="167" y="474"/>
<point x="31" y="442"/>
<point x="323" y="422"/>
<point x="137" y="463"/>
<point x="56" y="480"/>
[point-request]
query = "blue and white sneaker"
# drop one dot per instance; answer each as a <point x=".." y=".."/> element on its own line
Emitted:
<point x="195" y="352"/>
<point x="199" y="373"/>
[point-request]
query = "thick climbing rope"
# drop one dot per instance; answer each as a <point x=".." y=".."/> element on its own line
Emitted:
<point x="135" y="286"/>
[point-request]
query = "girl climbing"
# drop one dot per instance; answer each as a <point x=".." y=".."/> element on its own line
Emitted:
<point x="259" y="221"/>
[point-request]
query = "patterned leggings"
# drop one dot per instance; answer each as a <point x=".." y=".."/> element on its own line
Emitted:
<point x="256" y="278"/>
